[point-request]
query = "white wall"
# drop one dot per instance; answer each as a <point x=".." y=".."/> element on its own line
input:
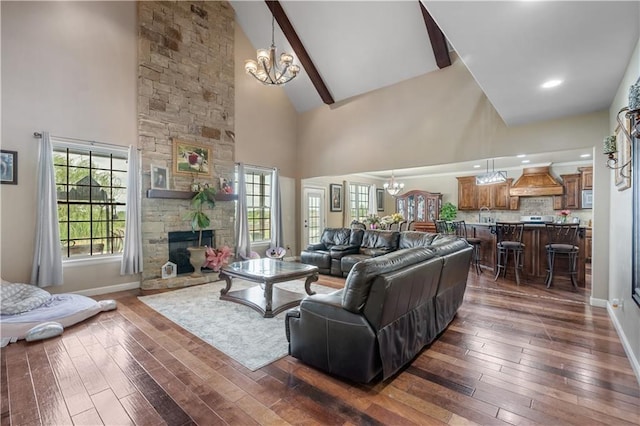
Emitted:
<point x="68" y="68"/>
<point x="266" y="129"/>
<point x="619" y="233"/>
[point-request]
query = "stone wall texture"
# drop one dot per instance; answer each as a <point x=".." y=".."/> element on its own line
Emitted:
<point x="186" y="93"/>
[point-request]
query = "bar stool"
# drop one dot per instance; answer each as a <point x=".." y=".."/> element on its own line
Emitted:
<point x="460" y="228"/>
<point x="442" y="227"/>
<point x="561" y="240"/>
<point x="509" y="239"/>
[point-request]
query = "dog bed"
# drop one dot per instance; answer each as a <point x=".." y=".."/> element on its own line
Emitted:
<point x="31" y="313"/>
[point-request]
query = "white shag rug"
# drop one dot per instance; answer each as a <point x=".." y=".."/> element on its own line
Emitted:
<point x="237" y="330"/>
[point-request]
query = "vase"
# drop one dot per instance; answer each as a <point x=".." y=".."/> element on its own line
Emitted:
<point x="197" y="258"/>
<point x="564" y="219"/>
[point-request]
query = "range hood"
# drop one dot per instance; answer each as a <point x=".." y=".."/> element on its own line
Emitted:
<point x="535" y="182"/>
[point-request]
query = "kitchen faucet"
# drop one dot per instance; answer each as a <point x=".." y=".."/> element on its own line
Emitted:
<point x="483" y="208"/>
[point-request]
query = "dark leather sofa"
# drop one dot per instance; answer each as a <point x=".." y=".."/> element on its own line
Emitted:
<point x="390" y="307"/>
<point x="334" y="244"/>
<point x="374" y="243"/>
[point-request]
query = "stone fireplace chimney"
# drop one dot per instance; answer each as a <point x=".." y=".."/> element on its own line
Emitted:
<point x="185" y="92"/>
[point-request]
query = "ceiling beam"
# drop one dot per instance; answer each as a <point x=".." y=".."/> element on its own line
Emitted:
<point x="437" y="38"/>
<point x="285" y="25"/>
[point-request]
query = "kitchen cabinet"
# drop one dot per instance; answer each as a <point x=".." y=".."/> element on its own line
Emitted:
<point x="495" y="196"/>
<point x="586" y="177"/>
<point x="572" y="193"/>
<point x="535" y="256"/>
<point x="467" y="197"/>
<point x="588" y="244"/>
<point x="419" y="206"/>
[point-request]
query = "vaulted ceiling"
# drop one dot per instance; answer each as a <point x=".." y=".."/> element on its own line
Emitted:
<point x="510" y="47"/>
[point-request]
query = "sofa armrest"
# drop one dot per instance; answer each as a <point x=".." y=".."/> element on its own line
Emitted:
<point x="338" y="252"/>
<point x="374" y="252"/>
<point x="293" y="313"/>
<point x="317" y="246"/>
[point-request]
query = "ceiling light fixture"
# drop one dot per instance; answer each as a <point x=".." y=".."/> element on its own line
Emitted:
<point x="392" y="187"/>
<point x="551" y="83"/>
<point x="521" y="155"/>
<point x="489" y="178"/>
<point x="526" y="161"/>
<point x="266" y="70"/>
<point x="585" y="155"/>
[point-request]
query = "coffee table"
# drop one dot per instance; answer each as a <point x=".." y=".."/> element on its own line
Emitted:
<point x="265" y="298"/>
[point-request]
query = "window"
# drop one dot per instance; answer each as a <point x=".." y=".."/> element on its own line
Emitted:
<point x="258" y="185"/>
<point x="91" y="191"/>
<point x="359" y="201"/>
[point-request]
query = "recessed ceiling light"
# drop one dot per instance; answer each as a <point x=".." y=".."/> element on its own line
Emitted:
<point x="521" y="155"/>
<point x="585" y="155"/>
<point x="526" y="161"/>
<point x="476" y="166"/>
<point x="551" y="83"/>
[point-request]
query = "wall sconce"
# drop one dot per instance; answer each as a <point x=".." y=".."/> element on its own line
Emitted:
<point x="610" y="148"/>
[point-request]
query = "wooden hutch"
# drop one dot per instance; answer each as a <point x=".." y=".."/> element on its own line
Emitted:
<point x="421" y="207"/>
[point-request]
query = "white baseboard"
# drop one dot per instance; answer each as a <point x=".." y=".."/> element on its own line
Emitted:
<point x="108" y="289"/>
<point x="635" y="365"/>
<point x="600" y="303"/>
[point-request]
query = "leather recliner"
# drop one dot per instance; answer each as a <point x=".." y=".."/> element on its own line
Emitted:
<point x="334" y="244"/>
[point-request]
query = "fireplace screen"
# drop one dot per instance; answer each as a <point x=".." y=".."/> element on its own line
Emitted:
<point x="178" y="243"/>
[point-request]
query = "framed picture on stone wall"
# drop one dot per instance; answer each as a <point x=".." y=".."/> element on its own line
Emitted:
<point x="190" y="158"/>
<point x="159" y="177"/>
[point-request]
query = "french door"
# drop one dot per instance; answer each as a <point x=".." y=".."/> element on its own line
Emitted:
<point x="313" y="215"/>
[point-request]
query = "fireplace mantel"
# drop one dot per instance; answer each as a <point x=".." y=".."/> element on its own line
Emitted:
<point x="186" y="195"/>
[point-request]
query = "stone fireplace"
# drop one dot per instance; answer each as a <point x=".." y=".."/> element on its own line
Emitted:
<point x="185" y="92"/>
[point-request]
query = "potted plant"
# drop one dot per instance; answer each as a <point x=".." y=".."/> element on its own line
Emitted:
<point x="448" y="212"/>
<point x="203" y="198"/>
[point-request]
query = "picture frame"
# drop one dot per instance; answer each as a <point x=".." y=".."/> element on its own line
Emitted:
<point x="380" y="199"/>
<point x="9" y="167"/>
<point x="159" y="177"/>
<point x="623" y="174"/>
<point x="335" y="192"/>
<point x="169" y="270"/>
<point x="190" y="158"/>
<point x="226" y="186"/>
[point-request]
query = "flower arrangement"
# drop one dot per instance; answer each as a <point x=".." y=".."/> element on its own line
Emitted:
<point x="217" y="258"/>
<point x="392" y="218"/>
<point x="373" y="221"/>
<point x="564" y="214"/>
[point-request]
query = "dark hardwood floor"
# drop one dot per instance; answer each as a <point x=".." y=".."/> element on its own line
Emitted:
<point x="513" y="355"/>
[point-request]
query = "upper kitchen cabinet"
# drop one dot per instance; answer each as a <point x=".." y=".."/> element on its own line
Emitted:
<point x="586" y="177"/>
<point x="571" y="190"/>
<point x="467" y="196"/>
<point x="419" y="206"/>
<point x="472" y="197"/>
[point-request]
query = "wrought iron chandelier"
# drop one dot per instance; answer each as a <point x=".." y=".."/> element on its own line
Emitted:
<point x="393" y="187"/>
<point x="269" y="72"/>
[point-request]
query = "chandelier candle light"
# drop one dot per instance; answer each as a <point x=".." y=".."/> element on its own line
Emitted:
<point x="392" y="187"/>
<point x="266" y="70"/>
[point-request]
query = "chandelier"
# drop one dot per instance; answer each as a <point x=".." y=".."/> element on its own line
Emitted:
<point x="266" y="70"/>
<point x="491" y="177"/>
<point x="392" y="187"/>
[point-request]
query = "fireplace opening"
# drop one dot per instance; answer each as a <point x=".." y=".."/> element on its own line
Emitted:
<point x="178" y="243"/>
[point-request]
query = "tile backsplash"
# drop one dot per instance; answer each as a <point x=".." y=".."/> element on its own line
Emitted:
<point x="528" y="206"/>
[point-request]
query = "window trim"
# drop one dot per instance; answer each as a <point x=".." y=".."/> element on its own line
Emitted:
<point x="262" y="171"/>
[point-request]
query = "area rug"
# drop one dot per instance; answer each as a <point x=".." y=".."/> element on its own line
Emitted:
<point x="237" y="330"/>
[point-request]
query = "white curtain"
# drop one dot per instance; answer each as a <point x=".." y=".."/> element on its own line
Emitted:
<point x="243" y="243"/>
<point x="47" y="257"/>
<point x="276" y="211"/>
<point x="346" y="204"/>
<point x="373" y="200"/>
<point x="132" y="250"/>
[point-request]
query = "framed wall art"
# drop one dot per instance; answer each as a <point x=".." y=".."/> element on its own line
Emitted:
<point x="9" y="167"/>
<point x="190" y="158"/>
<point x="380" y="199"/>
<point x="335" y="191"/>
<point x="623" y="174"/>
<point x="159" y="177"/>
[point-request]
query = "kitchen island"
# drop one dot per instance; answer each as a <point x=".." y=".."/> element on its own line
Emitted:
<point x="534" y="238"/>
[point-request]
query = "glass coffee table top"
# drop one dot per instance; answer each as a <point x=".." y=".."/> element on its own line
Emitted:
<point x="266" y="269"/>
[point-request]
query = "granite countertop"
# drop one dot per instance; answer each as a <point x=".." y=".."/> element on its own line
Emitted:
<point x="527" y="225"/>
